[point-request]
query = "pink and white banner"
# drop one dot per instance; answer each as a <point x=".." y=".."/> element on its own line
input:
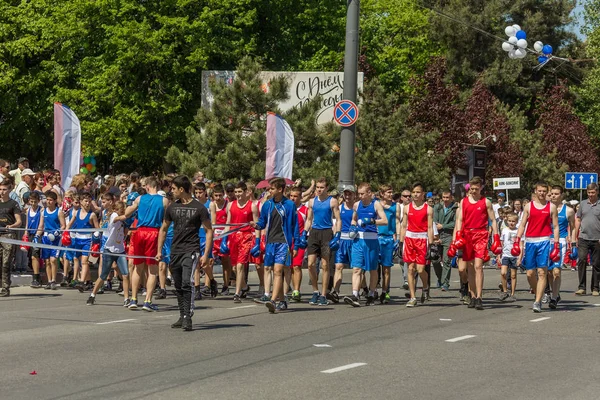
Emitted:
<point x="67" y="143"/>
<point x="280" y="148"/>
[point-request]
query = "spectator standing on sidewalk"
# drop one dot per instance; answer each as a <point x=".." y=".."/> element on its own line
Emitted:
<point x="444" y="217"/>
<point x="587" y="220"/>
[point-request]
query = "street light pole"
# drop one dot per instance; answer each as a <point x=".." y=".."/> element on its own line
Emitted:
<point x="348" y="135"/>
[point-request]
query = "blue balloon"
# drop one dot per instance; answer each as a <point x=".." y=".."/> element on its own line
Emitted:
<point x="93" y="161"/>
<point x="542" y="59"/>
<point x="547" y="49"/>
<point x="521" y="35"/>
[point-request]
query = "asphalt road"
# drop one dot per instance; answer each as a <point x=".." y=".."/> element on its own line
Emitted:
<point x="240" y="350"/>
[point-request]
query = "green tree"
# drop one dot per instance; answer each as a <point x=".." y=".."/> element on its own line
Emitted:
<point x="472" y="54"/>
<point x="389" y="151"/>
<point x="396" y="40"/>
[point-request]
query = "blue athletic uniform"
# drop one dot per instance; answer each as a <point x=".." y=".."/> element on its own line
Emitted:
<point x="33" y="221"/>
<point x="202" y="235"/>
<point x="343" y="254"/>
<point x="365" y="249"/>
<point x="81" y="240"/>
<point x="563" y="232"/>
<point x="386" y="237"/>
<point x="166" y="250"/>
<point x="322" y="214"/>
<point x="51" y="225"/>
<point x="104" y="225"/>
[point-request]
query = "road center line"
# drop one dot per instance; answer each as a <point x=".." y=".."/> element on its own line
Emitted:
<point x="237" y="308"/>
<point x="540" y="319"/>
<point x="321" y="345"/>
<point x="343" y="368"/>
<point x="115" y="322"/>
<point x="445" y="319"/>
<point x="458" y="339"/>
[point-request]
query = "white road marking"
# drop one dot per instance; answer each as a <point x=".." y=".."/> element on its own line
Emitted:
<point x="321" y="345"/>
<point x="343" y="368"/>
<point x="458" y="339"/>
<point x="540" y="319"/>
<point x="445" y="319"/>
<point x="237" y="308"/>
<point x="115" y="322"/>
<point x="165" y="316"/>
<point x="597" y="305"/>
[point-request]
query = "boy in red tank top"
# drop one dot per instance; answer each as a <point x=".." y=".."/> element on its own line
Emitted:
<point x="471" y="235"/>
<point x="416" y="234"/>
<point x="218" y="215"/>
<point x="240" y="211"/>
<point x="535" y="224"/>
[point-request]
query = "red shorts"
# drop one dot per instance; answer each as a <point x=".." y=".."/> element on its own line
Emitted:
<point x="415" y="251"/>
<point x="130" y="246"/>
<point x="476" y="242"/>
<point x="297" y="261"/>
<point x="240" y="244"/>
<point x="145" y="242"/>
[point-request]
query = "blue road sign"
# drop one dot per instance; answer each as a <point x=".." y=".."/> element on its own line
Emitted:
<point x="345" y="113"/>
<point x="579" y="180"/>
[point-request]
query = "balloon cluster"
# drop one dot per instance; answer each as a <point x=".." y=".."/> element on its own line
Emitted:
<point x="516" y="46"/>
<point x="88" y="165"/>
<point x="545" y="49"/>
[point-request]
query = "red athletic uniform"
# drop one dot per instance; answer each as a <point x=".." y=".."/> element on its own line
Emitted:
<point x="241" y="241"/>
<point x="475" y="228"/>
<point x="302" y="211"/>
<point x="415" y="241"/>
<point x="539" y="223"/>
<point x="220" y="218"/>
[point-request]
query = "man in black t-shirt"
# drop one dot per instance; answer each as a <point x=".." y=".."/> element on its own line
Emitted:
<point x="187" y="215"/>
<point x="10" y="217"/>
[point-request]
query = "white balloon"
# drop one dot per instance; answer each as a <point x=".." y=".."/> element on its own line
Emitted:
<point x="522" y="43"/>
<point x="510" y="31"/>
<point x="517" y="27"/>
<point x="507" y="46"/>
<point x="513" y="40"/>
<point x="511" y="54"/>
<point x="520" y="53"/>
<point x="538" y="46"/>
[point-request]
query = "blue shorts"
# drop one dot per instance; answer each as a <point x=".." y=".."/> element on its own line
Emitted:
<point x="510" y="262"/>
<point x="203" y="248"/>
<point x="537" y="255"/>
<point x="365" y="254"/>
<point x="386" y="251"/>
<point x="48" y="253"/>
<point x="166" y="250"/>
<point x="81" y="244"/>
<point x="277" y="253"/>
<point x="343" y="255"/>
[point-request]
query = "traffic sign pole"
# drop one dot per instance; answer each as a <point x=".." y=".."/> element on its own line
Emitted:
<point x="348" y="135"/>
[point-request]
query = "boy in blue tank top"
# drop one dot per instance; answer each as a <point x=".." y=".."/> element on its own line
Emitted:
<point x="322" y="210"/>
<point x="35" y="229"/>
<point x="344" y="252"/>
<point x="54" y="222"/>
<point x="84" y="218"/>
<point x="566" y="225"/>
<point x="388" y="236"/>
<point x="368" y="214"/>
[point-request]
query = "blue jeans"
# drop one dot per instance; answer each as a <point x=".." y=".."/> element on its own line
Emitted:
<point x="107" y="261"/>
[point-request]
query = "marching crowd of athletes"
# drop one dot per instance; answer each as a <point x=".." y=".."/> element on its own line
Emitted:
<point x="153" y="232"/>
